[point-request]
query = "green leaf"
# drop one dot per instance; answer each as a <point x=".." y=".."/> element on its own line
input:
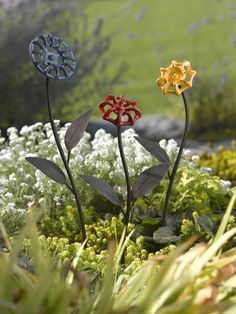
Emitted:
<point x="207" y="224"/>
<point x="151" y="221"/>
<point x="164" y="235"/>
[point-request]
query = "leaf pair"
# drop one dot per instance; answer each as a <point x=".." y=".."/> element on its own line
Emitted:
<point x="144" y="183"/>
<point x="151" y="177"/>
<point x="72" y="137"/>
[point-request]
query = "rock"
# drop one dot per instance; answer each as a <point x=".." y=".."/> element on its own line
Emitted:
<point x="207" y="148"/>
<point x="155" y="127"/>
<point x="152" y="127"/>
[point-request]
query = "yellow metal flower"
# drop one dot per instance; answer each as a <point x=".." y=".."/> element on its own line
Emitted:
<point x="176" y="78"/>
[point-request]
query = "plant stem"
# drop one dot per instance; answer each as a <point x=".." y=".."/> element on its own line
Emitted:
<point x="73" y="187"/>
<point x="177" y="161"/>
<point x="127" y="179"/>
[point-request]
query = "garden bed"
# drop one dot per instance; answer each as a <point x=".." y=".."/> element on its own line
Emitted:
<point x="197" y="207"/>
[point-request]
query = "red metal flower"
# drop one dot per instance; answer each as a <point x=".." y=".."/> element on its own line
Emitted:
<point x="119" y="110"/>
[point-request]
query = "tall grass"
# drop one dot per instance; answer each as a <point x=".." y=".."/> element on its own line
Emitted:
<point x="195" y="279"/>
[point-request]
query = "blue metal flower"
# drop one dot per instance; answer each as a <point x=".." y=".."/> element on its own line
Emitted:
<point x="52" y="57"/>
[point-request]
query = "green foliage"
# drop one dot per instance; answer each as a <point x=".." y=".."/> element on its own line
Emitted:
<point x="223" y="163"/>
<point x="200" y="280"/>
<point x="213" y="107"/>
<point x="193" y="190"/>
<point x="197" y="204"/>
<point x="21" y="291"/>
<point x="64" y="223"/>
<point x="190" y="227"/>
<point x="93" y="257"/>
<point x="13" y="222"/>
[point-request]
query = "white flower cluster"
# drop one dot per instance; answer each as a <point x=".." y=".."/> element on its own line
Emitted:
<point x="21" y="184"/>
<point x="225" y="186"/>
<point x="172" y="149"/>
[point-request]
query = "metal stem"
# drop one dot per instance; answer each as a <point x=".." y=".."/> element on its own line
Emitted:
<point x="175" y="168"/>
<point x="73" y="187"/>
<point x="127" y="179"/>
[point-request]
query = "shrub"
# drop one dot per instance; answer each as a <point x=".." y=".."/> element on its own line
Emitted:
<point x="213" y="108"/>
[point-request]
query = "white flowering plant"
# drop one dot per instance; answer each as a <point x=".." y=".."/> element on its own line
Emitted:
<point x="23" y="187"/>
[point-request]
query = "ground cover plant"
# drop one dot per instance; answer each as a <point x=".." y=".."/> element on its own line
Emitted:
<point x="222" y="163"/>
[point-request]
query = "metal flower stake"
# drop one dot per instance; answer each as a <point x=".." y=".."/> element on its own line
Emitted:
<point x="175" y="79"/>
<point x="122" y="112"/>
<point x="56" y="61"/>
<point x="125" y="114"/>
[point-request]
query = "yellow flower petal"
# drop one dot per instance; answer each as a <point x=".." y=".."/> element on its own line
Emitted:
<point x="176" y="78"/>
<point x="161" y="81"/>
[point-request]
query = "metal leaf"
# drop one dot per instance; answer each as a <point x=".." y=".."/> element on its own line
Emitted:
<point x="149" y="179"/>
<point x="76" y="130"/>
<point x="102" y="187"/>
<point x="49" y="168"/>
<point x="154" y="149"/>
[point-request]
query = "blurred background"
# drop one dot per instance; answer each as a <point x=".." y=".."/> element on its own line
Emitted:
<point x="120" y="46"/>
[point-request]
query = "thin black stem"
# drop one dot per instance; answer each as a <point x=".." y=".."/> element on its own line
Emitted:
<point x="123" y="213"/>
<point x="127" y="179"/>
<point x="73" y="187"/>
<point x="69" y="187"/>
<point x="168" y="173"/>
<point x="68" y="157"/>
<point x="177" y="161"/>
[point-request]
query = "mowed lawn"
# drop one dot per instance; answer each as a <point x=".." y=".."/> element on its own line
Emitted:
<point x="148" y="34"/>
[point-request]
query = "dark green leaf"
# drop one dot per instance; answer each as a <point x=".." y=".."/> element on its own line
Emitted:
<point x="149" y="179"/>
<point x="76" y="130"/>
<point x="143" y="230"/>
<point x="49" y="168"/>
<point x="154" y="149"/>
<point x="165" y="235"/>
<point x="151" y="221"/>
<point x="103" y="188"/>
<point x="207" y="224"/>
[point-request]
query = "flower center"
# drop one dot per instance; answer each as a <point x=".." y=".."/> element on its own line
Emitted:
<point x="174" y="75"/>
<point x="53" y="57"/>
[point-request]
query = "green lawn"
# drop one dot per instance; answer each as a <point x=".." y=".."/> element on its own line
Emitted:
<point x="148" y="34"/>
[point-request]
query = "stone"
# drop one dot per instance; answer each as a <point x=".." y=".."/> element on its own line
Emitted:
<point x="156" y="128"/>
<point x="152" y="127"/>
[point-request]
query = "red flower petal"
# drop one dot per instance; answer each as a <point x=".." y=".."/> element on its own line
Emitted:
<point x="122" y="108"/>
